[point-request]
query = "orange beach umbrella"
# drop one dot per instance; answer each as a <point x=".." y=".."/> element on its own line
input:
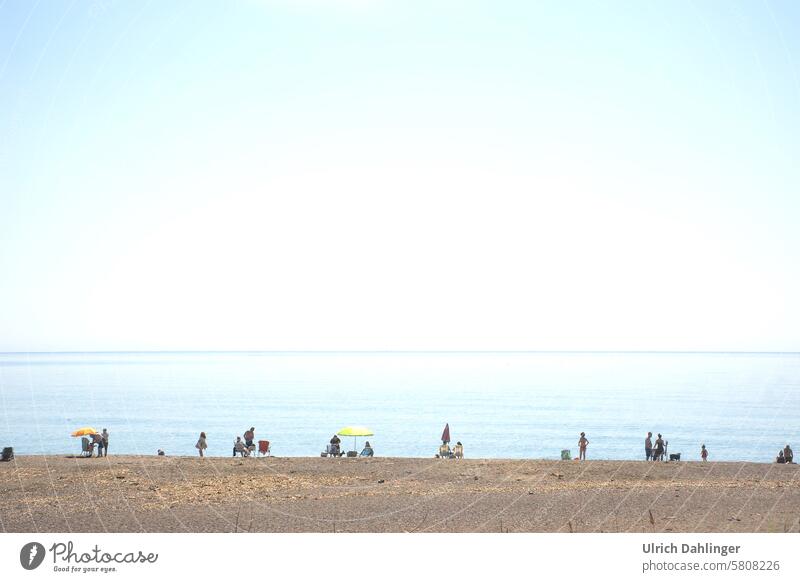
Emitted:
<point x="85" y="431"/>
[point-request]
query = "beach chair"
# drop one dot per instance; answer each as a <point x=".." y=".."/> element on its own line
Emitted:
<point x="239" y="448"/>
<point x="263" y="448"/>
<point x="566" y="454"/>
<point x="444" y="451"/>
<point x="458" y="452"/>
<point x="332" y="451"/>
<point x="87" y="447"/>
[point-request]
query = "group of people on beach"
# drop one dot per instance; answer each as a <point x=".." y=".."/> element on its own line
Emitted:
<point x="241" y="447"/>
<point x="785" y="456"/>
<point x="99" y="441"/>
<point x="658" y="452"/>
<point x="446" y="453"/>
<point x="245" y="447"/>
<point x="334" y="449"/>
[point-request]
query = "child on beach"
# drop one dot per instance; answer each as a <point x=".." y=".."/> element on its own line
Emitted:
<point x="582" y="443"/>
<point x="703" y="453"/>
<point x="201" y="444"/>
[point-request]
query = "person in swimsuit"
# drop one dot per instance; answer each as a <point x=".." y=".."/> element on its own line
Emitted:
<point x="658" y="453"/>
<point x="201" y="445"/>
<point x="583" y="442"/>
<point x="703" y="453"/>
<point x="249" y="437"/>
<point x="104" y="436"/>
<point x="648" y="446"/>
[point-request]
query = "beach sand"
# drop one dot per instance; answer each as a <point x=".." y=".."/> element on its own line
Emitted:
<point x="184" y="494"/>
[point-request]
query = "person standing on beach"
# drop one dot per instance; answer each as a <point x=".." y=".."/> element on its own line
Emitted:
<point x="97" y="439"/>
<point x="583" y="442"/>
<point x="658" y="453"/>
<point x="648" y="446"/>
<point x="703" y="453"/>
<point x="201" y="444"/>
<point x="104" y="436"/>
<point x="249" y="436"/>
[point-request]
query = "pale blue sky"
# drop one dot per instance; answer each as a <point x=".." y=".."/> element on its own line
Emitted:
<point x="356" y="174"/>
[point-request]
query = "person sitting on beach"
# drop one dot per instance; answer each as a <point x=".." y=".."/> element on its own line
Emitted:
<point x="87" y="445"/>
<point x="703" y="453"/>
<point x="161" y="453"/>
<point x="658" y="453"/>
<point x="458" y="450"/>
<point x="648" y="446"/>
<point x="444" y="451"/>
<point x="367" y="452"/>
<point x="781" y="459"/>
<point x="583" y="442"/>
<point x="239" y="447"/>
<point x="788" y="454"/>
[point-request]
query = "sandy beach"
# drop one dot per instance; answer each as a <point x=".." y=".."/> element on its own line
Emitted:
<point x="183" y="494"/>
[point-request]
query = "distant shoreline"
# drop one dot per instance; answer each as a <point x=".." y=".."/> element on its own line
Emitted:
<point x="412" y="352"/>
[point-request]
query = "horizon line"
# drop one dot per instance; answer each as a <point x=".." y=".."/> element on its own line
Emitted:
<point x="75" y="352"/>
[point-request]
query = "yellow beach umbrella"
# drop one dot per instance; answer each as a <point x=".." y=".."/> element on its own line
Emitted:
<point x="355" y="431"/>
<point x="85" y="431"/>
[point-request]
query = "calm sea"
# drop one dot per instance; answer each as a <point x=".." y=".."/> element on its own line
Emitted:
<point x="500" y="405"/>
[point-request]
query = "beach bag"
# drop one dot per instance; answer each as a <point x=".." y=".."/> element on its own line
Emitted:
<point x="566" y="455"/>
<point x="8" y="454"/>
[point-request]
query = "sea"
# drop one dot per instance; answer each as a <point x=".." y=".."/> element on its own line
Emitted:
<point x="515" y="405"/>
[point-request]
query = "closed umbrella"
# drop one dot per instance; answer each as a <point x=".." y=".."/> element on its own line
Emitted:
<point x="446" y="433"/>
<point x="355" y="431"/>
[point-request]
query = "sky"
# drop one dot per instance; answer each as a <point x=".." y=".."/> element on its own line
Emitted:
<point x="399" y="175"/>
